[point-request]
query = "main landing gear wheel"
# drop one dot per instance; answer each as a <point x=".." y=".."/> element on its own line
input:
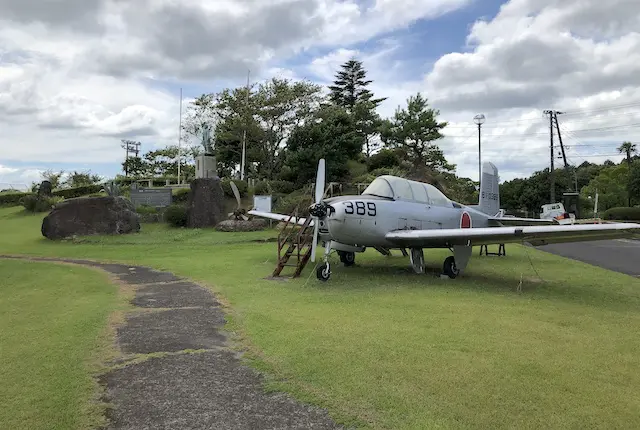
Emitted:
<point x="348" y="258"/>
<point x="323" y="272"/>
<point x="449" y="267"/>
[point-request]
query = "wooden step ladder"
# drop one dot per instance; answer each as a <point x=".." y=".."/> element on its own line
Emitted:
<point x="294" y="241"/>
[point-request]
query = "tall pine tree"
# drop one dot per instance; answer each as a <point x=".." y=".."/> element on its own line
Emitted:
<point x="350" y="86"/>
<point x="349" y="91"/>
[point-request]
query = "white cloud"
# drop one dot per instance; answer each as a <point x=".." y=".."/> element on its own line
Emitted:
<point x="76" y="77"/>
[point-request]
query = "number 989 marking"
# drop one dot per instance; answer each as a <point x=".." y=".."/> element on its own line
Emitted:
<point x="360" y="208"/>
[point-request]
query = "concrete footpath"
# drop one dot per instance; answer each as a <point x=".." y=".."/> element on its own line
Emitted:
<point x="191" y="379"/>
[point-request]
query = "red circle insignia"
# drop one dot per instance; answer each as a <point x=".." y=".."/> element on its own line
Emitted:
<point x="465" y="220"/>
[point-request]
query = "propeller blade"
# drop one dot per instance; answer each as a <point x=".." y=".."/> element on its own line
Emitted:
<point x="320" y="181"/>
<point x="315" y="241"/>
<point x="235" y="192"/>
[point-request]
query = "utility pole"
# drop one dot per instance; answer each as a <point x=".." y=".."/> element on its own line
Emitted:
<point x="564" y="156"/>
<point x="551" y="114"/>
<point x="179" y="137"/>
<point x="244" y="133"/>
<point x="130" y="147"/>
<point x="479" y="120"/>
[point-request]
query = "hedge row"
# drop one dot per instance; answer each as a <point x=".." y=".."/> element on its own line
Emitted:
<point x="71" y="193"/>
<point x="622" y="214"/>
<point x="12" y="199"/>
<point x="15" y="199"/>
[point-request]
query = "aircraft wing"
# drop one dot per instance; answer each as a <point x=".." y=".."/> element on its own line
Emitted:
<point x="535" y="235"/>
<point x="279" y="217"/>
<point x="510" y="220"/>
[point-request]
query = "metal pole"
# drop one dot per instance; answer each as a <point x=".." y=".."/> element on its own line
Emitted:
<point x="479" y="153"/>
<point x="244" y="133"/>
<point x="179" y="136"/>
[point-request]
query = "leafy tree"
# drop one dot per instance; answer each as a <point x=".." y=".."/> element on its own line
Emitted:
<point x="611" y="188"/>
<point x="54" y="177"/>
<point x="236" y="113"/>
<point x="330" y="135"/>
<point x="163" y="162"/>
<point x="282" y="106"/>
<point x="628" y="148"/>
<point x="413" y="131"/>
<point x="80" y="179"/>
<point x="136" y="167"/>
<point x="200" y="112"/>
<point x="634" y="181"/>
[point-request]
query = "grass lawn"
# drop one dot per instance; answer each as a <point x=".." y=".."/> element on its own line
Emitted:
<point x="377" y="345"/>
<point x="53" y="321"/>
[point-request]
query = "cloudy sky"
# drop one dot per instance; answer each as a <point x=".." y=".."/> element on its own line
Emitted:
<point x="76" y="76"/>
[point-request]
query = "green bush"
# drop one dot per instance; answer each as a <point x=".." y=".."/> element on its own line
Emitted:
<point x="33" y="203"/>
<point x="181" y="195"/>
<point x="284" y="187"/>
<point x="70" y="193"/>
<point x="287" y="205"/>
<point x="274" y="187"/>
<point x="176" y="215"/>
<point x="622" y="214"/>
<point x="12" y="198"/>
<point x="242" y="187"/>
<point x="261" y="188"/>
<point x="144" y="209"/>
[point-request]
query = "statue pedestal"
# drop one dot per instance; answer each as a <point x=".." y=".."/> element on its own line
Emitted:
<point x="206" y="166"/>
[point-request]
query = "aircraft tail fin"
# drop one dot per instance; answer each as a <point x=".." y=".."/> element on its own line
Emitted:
<point x="489" y="202"/>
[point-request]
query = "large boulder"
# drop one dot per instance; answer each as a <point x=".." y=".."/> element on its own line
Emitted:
<point x="206" y="203"/>
<point x="85" y="216"/>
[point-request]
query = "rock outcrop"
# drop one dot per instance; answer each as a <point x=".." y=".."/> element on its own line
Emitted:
<point x="85" y="216"/>
<point x="206" y="203"/>
<point x="242" y="225"/>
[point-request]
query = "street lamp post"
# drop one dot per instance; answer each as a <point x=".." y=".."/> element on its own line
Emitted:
<point x="479" y="120"/>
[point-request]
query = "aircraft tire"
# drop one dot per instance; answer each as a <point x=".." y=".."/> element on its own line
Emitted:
<point x="323" y="273"/>
<point x="349" y="258"/>
<point x="449" y="267"/>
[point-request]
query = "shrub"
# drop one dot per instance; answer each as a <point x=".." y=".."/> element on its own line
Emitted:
<point x="287" y="205"/>
<point x="12" y="198"/>
<point x="622" y="214"/>
<point x="242" y="187"/>
<point x="176" y="215"/>
<point x="70" y="193"/>
<point x="33" y="203"/>
<point x="144" y="209"/>
<point x="181" y="195"/>
<point x="261" y="188"/>
<point x="274" y="187"/>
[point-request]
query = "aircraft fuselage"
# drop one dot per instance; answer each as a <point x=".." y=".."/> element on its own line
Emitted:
<point x="364" y="220"/>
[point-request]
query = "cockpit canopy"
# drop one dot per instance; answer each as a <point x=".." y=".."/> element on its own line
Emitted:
<point x="404" y="189"/>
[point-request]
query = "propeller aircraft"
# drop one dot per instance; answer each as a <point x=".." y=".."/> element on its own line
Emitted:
<point x="397" y="213"/>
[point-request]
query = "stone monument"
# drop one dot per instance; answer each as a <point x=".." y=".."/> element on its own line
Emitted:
<point x="205" y="207"/>
<point x="206" y="163"/>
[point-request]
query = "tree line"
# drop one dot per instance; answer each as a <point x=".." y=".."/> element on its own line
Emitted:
<point x="617" y="185"/>
<point x="288" y="125"/>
